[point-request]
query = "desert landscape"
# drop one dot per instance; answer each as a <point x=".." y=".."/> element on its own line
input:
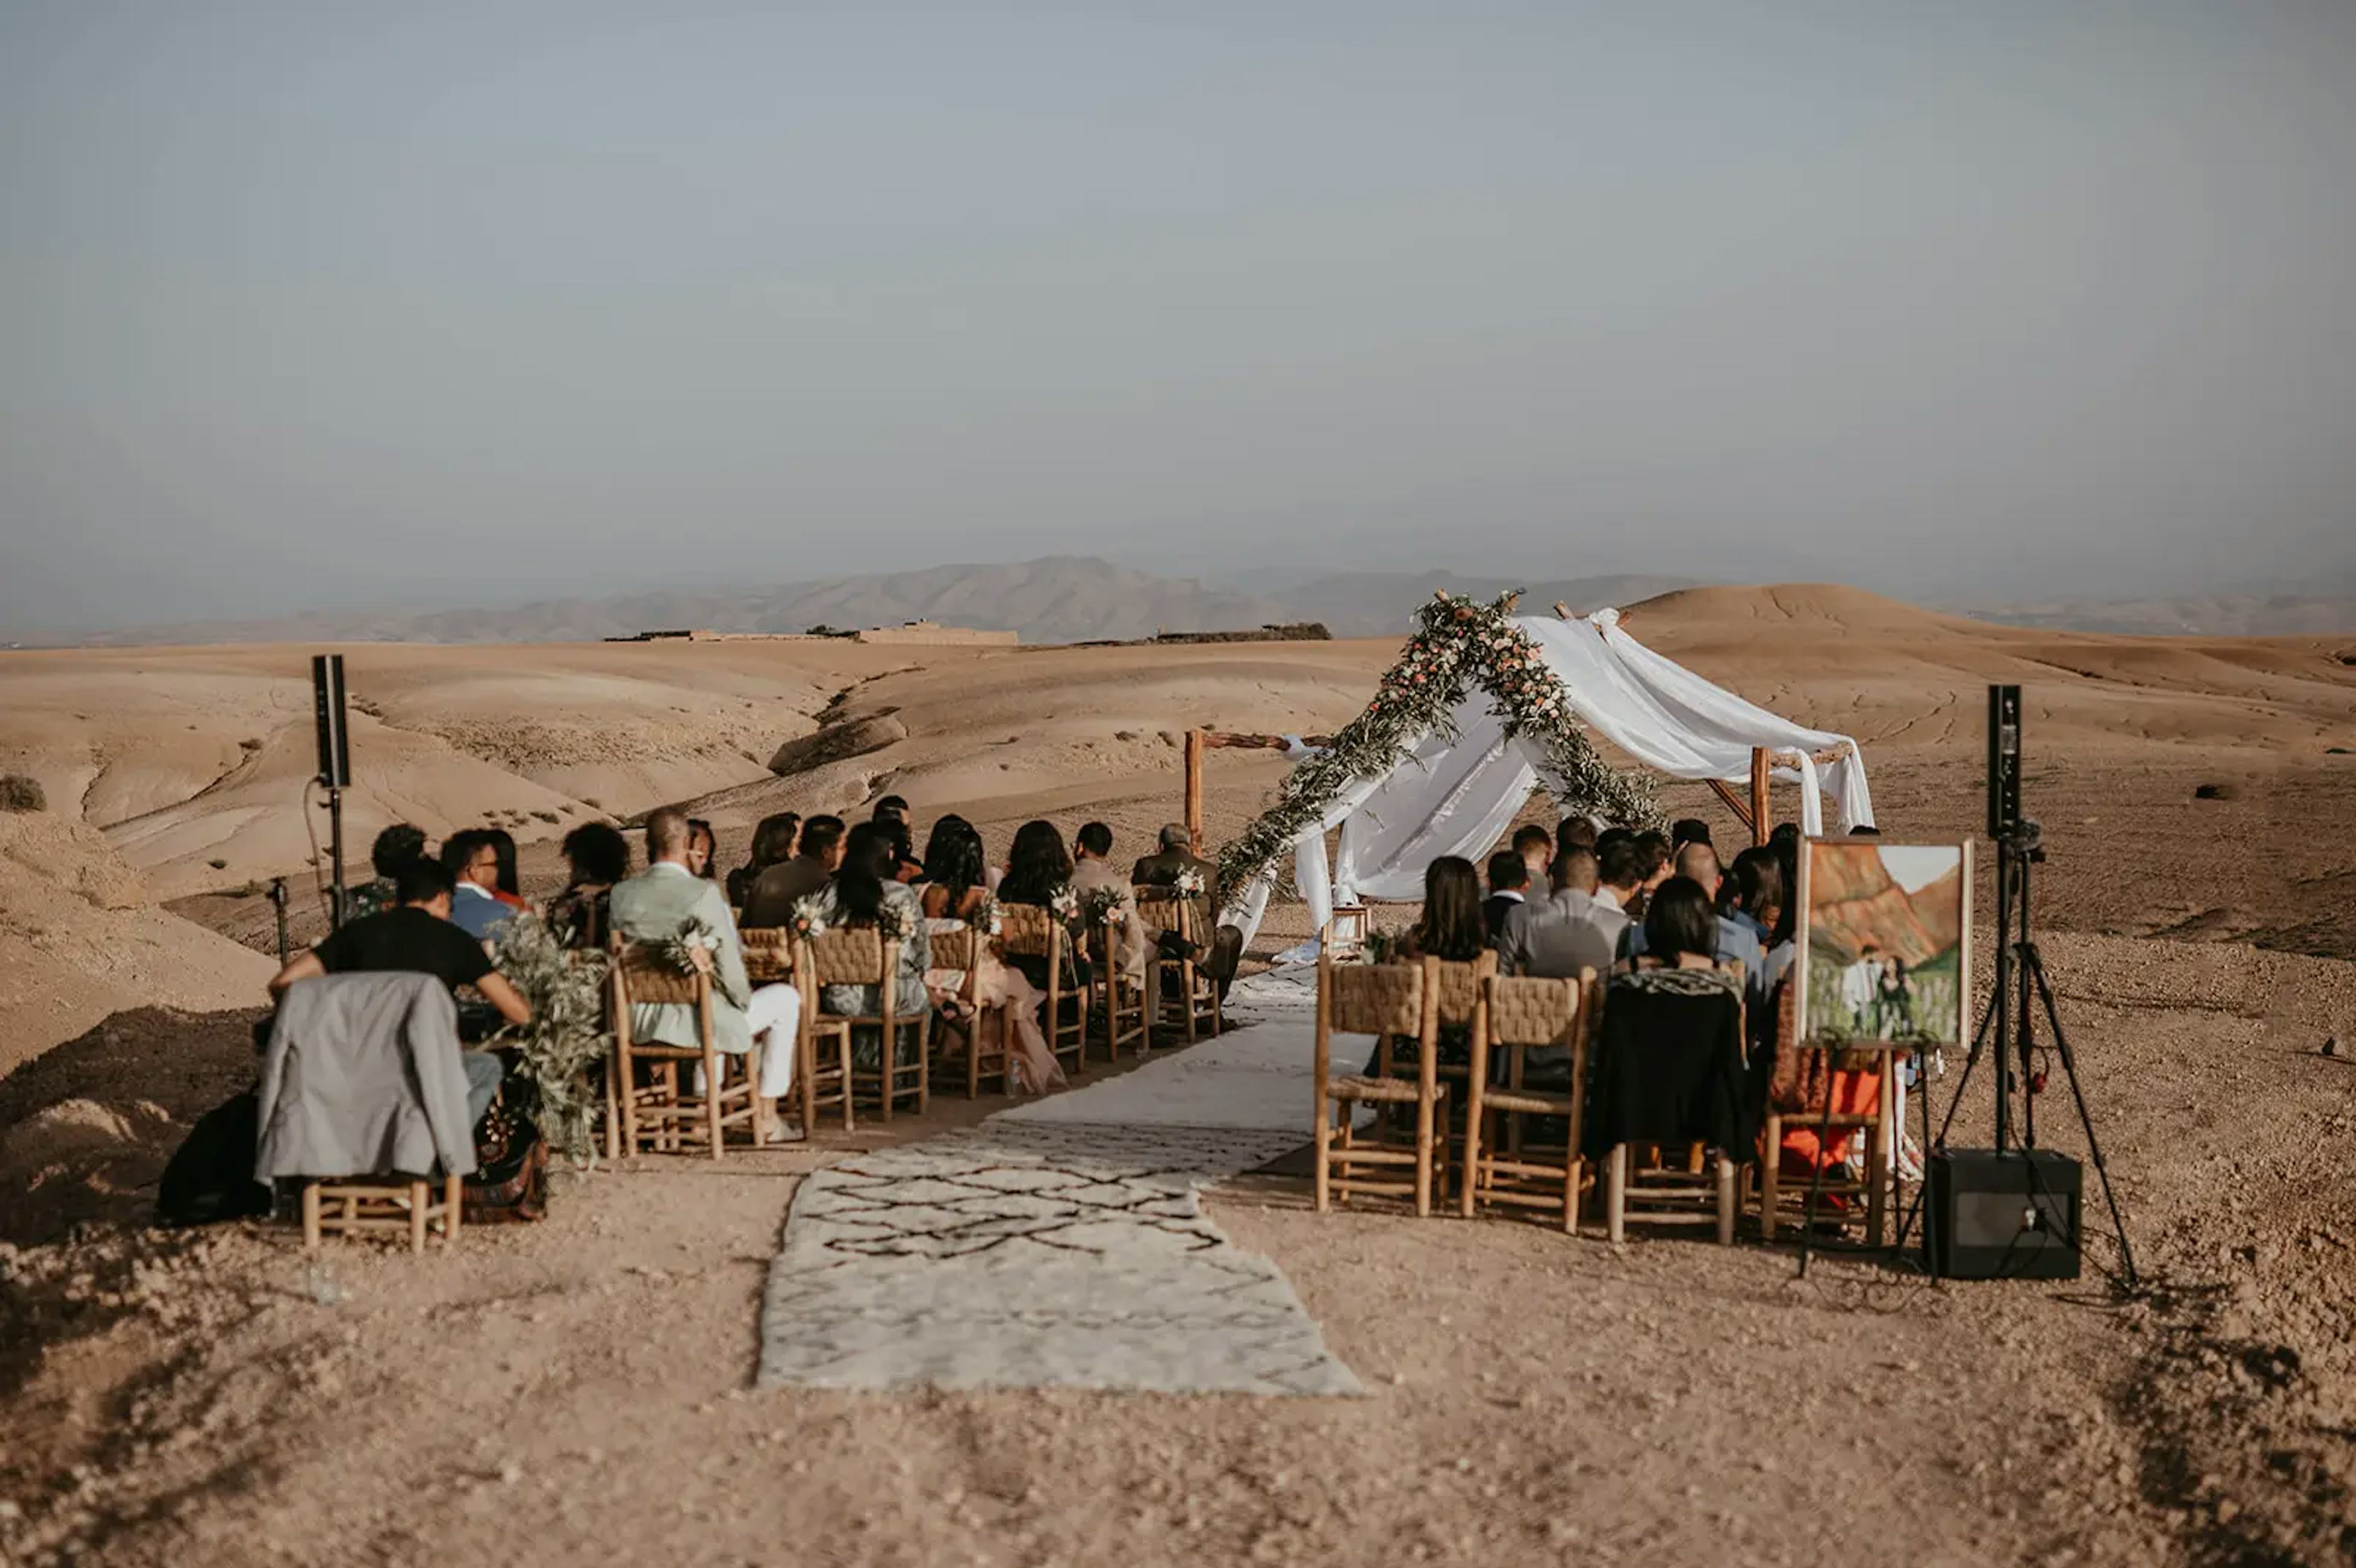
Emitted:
<point x="587" y="1384"/>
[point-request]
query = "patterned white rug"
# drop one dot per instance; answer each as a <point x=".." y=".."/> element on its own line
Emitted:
<point x="1061" y="1242"/>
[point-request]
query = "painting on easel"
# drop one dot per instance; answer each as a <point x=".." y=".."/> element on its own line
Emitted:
<point x="1885" y="936"/>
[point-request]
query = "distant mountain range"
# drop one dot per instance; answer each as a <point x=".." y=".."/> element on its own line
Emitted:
<point x="1065" y="599"/>
<point x="1057" y="599"/>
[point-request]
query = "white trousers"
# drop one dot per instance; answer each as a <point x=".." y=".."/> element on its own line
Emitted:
<point x="775" y="1015"/>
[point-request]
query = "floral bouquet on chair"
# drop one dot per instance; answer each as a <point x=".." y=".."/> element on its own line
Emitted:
<point x="1105" y="906"/>
<point x="1064" y="903"/>
<point x="1189" y="883"/>
<point x="807" y="919"/>
<point x="690" y="949"/>
<point x="987" y="918"/>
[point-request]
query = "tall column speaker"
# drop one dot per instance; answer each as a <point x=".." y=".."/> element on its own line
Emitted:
<point x="335" y="740"/>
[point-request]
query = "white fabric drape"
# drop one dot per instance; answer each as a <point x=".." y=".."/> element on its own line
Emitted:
<point x="1456" y="794"/>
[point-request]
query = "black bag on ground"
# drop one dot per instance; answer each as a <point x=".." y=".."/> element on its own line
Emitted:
<point x="511" y="1181"/>
<point x="210" y="1177"/>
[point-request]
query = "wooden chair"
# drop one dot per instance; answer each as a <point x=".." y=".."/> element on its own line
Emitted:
<point x="1461" y="1002"/>
<point x="1193" y="1001"/>
<point x="1702" y="1189"/>
<point x="1522" y="1013"/>
<point x="665" y="1113"/>
<point x="986" y="1028"/>
<point x="859" y="956"/>
<point x="1834" y="1092"/>
<point x="1128" y="1004"/>
<point x="1384" y="1000"/>
<point x="1031" y="931"/>
<point x="380" y="1206"/>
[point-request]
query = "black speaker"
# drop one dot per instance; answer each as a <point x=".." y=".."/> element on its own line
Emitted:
<point x="327" y="697"/>
<point x="2003" y="759"/>
<point x="2001" y="1214"/>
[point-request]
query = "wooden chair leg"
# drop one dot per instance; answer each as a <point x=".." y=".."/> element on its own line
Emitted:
<point x="418" y="1203"/>
<point x="1322" y="1180"/>
<point x="1771" y="1183"/>
<point x="452" y="1192"/>
<point x="714" y="1096"/>
<point x="1423" y="1119"/>
<point x="1576" y="1169"/>
<point x="1877" y="1177"/>
<point x="619" y="1066"/>
<point x="310" y="1216"/>
<point x="613" y="1114"/>
<point x="842" y="1057"/>
<point x="1725" y="1202"/>
<point x="1615" y="1195"/>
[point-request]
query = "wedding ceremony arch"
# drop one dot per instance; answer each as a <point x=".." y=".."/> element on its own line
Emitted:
<point x="1484" y="706"/>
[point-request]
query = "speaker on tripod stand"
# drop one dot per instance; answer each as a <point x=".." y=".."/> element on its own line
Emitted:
<point x="335" y="763"/>
<point x="2013" y="1212"/>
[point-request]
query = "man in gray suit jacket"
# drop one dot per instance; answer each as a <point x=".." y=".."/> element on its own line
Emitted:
<point x="1557" y="937"/>
<point x="658" y="904"/>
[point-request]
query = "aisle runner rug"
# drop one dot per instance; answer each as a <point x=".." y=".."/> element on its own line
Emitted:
<point x="1060" y="1243"/>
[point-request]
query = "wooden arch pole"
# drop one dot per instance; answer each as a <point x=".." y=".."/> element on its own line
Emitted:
<point x="1201" y="740"/>
<point x="1762" y="818"/>
<point x="1756" y="815"/>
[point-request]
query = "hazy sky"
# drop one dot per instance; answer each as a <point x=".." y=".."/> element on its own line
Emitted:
<point x="420" y="303"/>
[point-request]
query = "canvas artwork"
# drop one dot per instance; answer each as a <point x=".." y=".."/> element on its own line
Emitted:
<point x="1886" y="932"/>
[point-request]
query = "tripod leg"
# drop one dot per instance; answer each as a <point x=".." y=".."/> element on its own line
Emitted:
<point x="2036" y="964"/>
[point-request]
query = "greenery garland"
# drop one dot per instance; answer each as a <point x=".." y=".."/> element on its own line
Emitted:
<point x="1456" y="641"/>
<point x="567" y="1034"/>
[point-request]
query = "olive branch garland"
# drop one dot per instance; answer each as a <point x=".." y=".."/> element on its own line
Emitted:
<point x="1456" y="641"/>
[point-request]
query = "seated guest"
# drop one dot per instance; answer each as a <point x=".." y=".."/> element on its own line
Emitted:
<point x="1654" y="847"/>
<point x="417" y="935"/>
<point x="1620" y="879"/>
<point x="1219" y="957"/>
<point x="1037" y="869"/>
<point x="1535" y="845"/>
<point x="660" y="902"/>
<point x="778" y="888"/>
<point x="1093" y="871"/>
<point x="1686" y="830"/>
<point x="703" y="850"/>
<point x="861" y="891"/>
<point x="600" y="858"/>
<point x="1698" y="863"/>
<point x="952" y="887"/>
<point x="1562" y="936"/>
<point x="1669" y="1066"/>
<point x="509" y="889"/>
<point x="1752" y="890"/>
<point x="1509" y="881"/>
<point x="1451" y="927"/>
<point x="772" y="845"/>
<point x="906" y="869"/>
<point x="1574" y="833"/>
<point x="891" y="808"/>
<point x="394" y="847"/>
<point x="473" y="861"/>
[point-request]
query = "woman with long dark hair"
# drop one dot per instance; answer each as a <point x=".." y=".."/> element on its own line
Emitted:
<point x="510" y="890"/>
<point x="952" y="887"/>
<point x="772" y="845"/>
<point x="1038" y="866"/>
<point x="1669" y="1066"/>
<point x="703" y="850"/>
<point x="1451" y="927"/>
<point x="862" y="893"/>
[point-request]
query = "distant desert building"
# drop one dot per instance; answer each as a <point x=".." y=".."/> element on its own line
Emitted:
<point x="909" y="634"/>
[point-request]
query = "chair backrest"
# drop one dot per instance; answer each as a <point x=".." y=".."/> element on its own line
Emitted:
<point x="846" y="955"/>
<point x="1375" y="998"/>
<point x="768" y="951"/>
<point x="954" y="946"/>
<point x="1460" y="986"/>
<point x="1166" y="909"/>
<point x="1526" y="1010"/>
<point x="1026" y="929"/>
<point x="640" y="976"/>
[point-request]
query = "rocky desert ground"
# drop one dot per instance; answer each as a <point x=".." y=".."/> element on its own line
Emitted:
<point x="581" y="1390"/>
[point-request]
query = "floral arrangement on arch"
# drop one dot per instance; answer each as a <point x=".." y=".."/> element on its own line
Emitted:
<point x="1456" y="643"/>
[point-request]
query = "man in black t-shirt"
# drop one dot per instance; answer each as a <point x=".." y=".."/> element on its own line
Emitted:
<point x="418" y="938"/>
